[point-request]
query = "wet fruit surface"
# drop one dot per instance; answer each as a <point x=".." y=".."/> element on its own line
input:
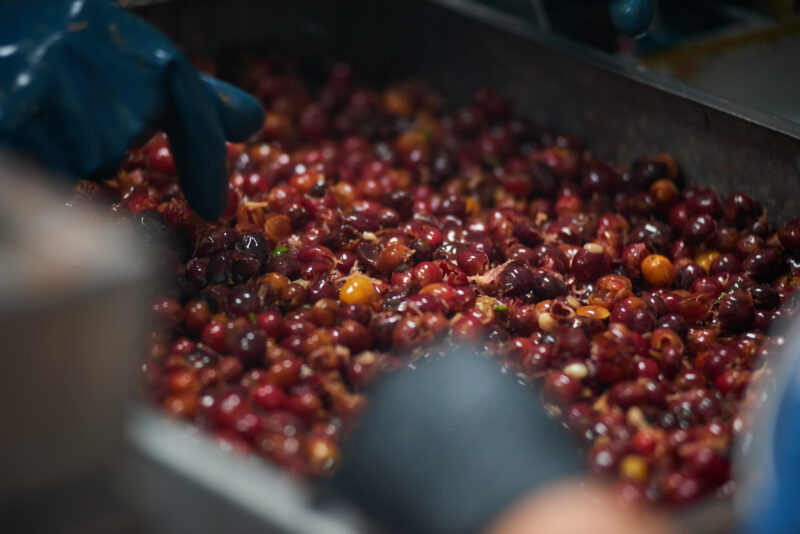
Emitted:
<point x="372" y="229"/>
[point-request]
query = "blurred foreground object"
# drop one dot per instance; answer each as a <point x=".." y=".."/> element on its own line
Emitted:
<point x="768" y="460"/>
<point x="445" y="448"/>
<point x="80" y="81"/>
<point x="575" y="507"/>
<point x="71" y="295"/>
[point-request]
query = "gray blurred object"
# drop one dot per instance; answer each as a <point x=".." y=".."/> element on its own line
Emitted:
<point x="71" y="304"/>
<point x="179" y="481"/>
<point x="446" y="447"/>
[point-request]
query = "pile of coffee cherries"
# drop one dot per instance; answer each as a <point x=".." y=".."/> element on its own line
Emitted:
<point x="367" y="229"/>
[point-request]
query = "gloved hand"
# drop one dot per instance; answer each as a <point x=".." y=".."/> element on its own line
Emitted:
<point x="81" y="79"/>
<point x="632" y="17"/>
<point x="769" y="459"/>
<point x="445" y="448"/>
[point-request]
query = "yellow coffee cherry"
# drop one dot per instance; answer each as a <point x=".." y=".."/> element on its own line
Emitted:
<point x="357" y="290"/>
<point x="658" y="270"/>
<point x="634" y="468"/>
<point x="705" y="258"/>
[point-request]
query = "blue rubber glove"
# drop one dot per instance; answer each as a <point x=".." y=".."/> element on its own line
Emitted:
<point x="80" y="80"/>
<point x="771" y="463"/>
<point x="632" y="17"/>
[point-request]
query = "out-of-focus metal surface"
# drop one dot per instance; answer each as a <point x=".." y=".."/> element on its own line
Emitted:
<point x="70" y="320"/>
<point x="759" y="69"/>
<point x="212" y="489"/>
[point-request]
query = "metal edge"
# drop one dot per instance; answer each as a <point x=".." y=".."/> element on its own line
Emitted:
<point x="269" y="494"/>
<point x="597" y="58"/>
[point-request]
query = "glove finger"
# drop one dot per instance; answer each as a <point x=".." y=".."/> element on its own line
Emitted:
<point x="106" y="130"/>
<point x="44" y="140"/>
<point x="197" y="138"/>
<point x="67" y="137"/>
<point x="59" y="133"/>
<point x="80" y="141"/>
<point x="241" y="114"/>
